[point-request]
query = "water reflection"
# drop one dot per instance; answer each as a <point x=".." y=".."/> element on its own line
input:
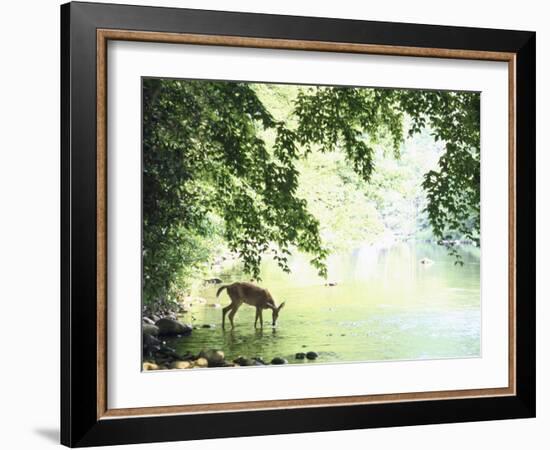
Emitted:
<point x="384" y="305"/>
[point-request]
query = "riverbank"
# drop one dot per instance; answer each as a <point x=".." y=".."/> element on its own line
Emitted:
<point x="159" y="355"/>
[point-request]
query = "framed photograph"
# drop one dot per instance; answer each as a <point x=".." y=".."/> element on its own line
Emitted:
<point x="276" y="224"/>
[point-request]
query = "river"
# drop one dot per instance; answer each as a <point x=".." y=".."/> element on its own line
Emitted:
<point x="385" y="305"/>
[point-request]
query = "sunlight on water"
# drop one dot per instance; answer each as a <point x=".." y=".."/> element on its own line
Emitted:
<point x="385" y="305"/>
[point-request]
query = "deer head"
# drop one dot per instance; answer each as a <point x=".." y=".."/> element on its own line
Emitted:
<point x="276" y="311"/>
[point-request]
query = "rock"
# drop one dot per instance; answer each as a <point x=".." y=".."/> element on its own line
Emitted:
<point x="208" y="325"/>
<point x="241" y="361"/>
<point x="168" y="353"/>
<point x="246" y="362"/>
<point x="312" y="355"/>
<point x="150" y="366"/>
<point x="214" y="305"/>
<point x="180" y="365"/>
<point x="254" y="362"/>
<point x="150" y="341"/>
<point x="201" y="362"/>
<point x="171" y="327"/>
<point x="331" y="283"/>
<point x="150" y="330"/>
<point x="148" y="321"/>
<point x="188" y="356"/>
<point x="150" y="345"/>
<point x="163" y="360"/>
<point x="214" y="357"/>
<point x="224" y="364"/>
<point x="213" y="281"/>
<point x="259" y="360"/>
<point x="426" y="261"/>
<point x="300" y="355"/>
<point x="278" y="360"/>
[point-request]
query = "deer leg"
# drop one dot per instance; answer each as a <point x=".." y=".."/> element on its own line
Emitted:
<point x="224" y="312"/>
<point x="257" y="316"/>
<point x="232" y="313"/>
<point x="261" y="317"/>
<point x="230" y="307"/>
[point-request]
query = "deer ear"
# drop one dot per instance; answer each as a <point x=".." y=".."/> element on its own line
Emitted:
<point x="281" y="306"/>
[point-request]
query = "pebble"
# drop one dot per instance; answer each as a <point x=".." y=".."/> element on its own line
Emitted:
<point x="300" y="355"/>
<point x="239" y="360"/>
<point x="242" y="361"/>
<point x="180" y="365"/>
<point x="278" y="360"/>
<point x="150" y="366"/>
<point x="201" y="362"/>
<point x="312" y="355"/>
<point x="214" y="357"/>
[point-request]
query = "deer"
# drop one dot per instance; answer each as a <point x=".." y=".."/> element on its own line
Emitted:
<point x="252" y="295"/>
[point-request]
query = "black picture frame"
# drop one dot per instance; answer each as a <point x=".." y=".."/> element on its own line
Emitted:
<point x="80" y="425"/>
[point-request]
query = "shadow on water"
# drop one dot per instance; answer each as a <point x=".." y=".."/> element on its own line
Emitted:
<point x="384" y="305"/>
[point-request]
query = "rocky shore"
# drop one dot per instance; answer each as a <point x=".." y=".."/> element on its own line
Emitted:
<point x="159" y="356"/>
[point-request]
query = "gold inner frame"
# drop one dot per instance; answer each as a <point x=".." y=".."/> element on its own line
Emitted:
<point x="104" y="35"/>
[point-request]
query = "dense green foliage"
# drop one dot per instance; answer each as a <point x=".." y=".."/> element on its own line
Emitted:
<point x="343" y="116"/>
<point x="202" y="155"/>
<point x="224" y="164"/>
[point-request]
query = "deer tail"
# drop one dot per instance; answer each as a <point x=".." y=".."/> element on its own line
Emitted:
<point x="220" y="289"/>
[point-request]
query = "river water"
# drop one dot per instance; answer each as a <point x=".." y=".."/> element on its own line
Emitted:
<point x="385" y="305"/>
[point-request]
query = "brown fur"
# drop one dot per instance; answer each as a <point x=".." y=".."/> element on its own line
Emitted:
<point x="252" y="295"/>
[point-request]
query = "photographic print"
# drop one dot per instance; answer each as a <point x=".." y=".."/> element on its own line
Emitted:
<point x="306" y="224"/>
<point x="284" y="202"/>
